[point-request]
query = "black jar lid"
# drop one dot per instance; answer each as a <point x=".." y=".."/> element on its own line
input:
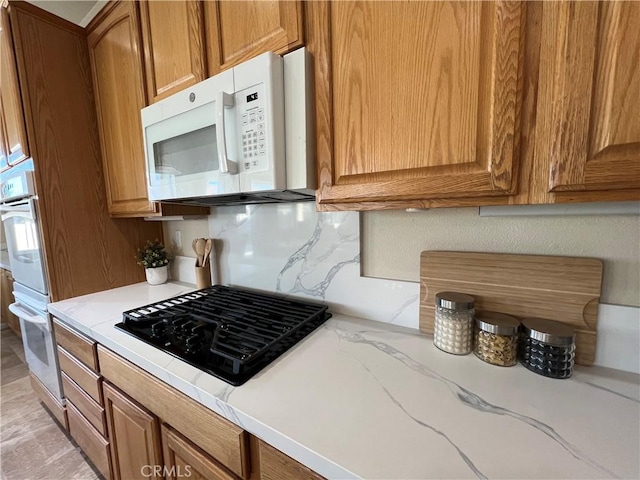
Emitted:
<point x="454" y="301"/>
<point x="498" y="323"/>
<point x="548" y="331"/>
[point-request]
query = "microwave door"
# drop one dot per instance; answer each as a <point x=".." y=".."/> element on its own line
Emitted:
<point x="183" y="146"/>
<point x="183" y="159"/>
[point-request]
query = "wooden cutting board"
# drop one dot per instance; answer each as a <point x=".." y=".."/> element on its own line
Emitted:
<point x="566" y="289"/>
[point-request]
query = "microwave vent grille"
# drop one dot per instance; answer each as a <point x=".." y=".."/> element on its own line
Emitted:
<point x="280" y="196"/>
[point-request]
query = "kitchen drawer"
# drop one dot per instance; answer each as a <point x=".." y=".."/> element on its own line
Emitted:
<point x="227" y="443"/>
<point x="83" y="348"/>
<point x="93" y="412"/>
<point x="94" y="445"/>
<point x="86" y="378"/>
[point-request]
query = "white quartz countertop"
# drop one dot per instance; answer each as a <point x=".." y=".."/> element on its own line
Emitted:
<point x="362" y="399"/>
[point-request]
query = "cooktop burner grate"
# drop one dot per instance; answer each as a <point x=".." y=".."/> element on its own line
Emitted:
<point x="228" y="332"/>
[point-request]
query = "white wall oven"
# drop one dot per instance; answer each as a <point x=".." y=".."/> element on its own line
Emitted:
<point x="18" y="209"/>
<point x="37" y="337"/>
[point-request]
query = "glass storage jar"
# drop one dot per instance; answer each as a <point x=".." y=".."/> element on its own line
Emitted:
<point x="453" y="327"/>
<point x="496" y="338"/>
<point x="547" y="347"/>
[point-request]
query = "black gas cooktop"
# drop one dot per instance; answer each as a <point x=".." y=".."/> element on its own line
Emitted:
<point x="228" y="332"/>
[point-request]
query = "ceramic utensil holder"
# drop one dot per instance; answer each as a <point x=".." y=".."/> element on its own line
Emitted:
<point x="203" y="277"/>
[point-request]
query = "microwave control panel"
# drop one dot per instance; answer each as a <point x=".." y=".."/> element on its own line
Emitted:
<point x="253" y="127"/>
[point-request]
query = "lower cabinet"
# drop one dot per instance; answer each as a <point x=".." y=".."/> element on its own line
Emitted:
<point x="183" y="459"/>
<point x="142" y="449"/>
<point x="82" y="388"/>
<point x="133" y="426"/>
<point x="94" y="445"/>
<point x="272" y="464"/>
<point x="135" y="437"/>
<point x="6" y="298"/>
<point x="194" y="441"/>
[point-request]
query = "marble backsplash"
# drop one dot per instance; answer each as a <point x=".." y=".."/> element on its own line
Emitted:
<point x="293" y="249"/>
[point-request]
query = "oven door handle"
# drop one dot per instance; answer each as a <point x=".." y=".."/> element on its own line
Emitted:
<point x="21" y="312"/>
<point x="19" y="214"/>
<point x="23" y="209"/>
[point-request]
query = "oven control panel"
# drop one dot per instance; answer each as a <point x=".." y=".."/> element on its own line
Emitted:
<point x="17" y="186"/>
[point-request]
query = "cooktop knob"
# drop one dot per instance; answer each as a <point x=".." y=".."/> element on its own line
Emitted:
<point x="187" y="326"/>
<point x="194" y="343"/>
<point x="159" y="329"/>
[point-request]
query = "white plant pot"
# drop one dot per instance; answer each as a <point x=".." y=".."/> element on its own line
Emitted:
<point x="158" y="275"/>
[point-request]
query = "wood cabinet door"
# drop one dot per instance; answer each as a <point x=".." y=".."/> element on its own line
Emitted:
<point x="173" y="38"/>
<point x="6" y="298"/>
<point x="272" y="464"/>
<point x="238" y="30"/>
<point x="90" y="441"/>
<point x="116" y="62"/>
<point x="14" y="126"/>
<point x="4" y="150"/>
<point x="134" y="435"/>
<point x="428" y="109"/>
<point x="183" y="459"/>
<point x="589" y="95"/>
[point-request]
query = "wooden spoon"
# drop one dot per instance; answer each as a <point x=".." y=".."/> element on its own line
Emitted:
<point x="207" y="251"/>
<point x="200" y="246"/>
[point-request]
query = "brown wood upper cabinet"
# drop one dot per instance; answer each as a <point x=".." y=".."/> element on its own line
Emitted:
<point x="116" y="62"/>
<point x="239" y="30"/>
<point x="173" y="61"/>
<point x="53" y="65"/>
<point x="589" y="96"/>
<point x="14" y="131"/>
<point x="173" y="38"/>
<point x="4" y="150"/>
<point x="425" y="110"/>
<point x="181" y="37"/>
<point x="142" y="52"/>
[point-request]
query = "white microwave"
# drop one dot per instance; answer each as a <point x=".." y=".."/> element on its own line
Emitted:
<point x="242" y="136"/>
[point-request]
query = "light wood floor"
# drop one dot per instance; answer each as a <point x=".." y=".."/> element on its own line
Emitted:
<point x="32" y="444"/>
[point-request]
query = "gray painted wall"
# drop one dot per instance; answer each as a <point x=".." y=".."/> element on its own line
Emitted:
<point x="392" y="242"/>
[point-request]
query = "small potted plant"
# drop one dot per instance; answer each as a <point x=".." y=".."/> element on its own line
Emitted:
<point x="155" y="260"/>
